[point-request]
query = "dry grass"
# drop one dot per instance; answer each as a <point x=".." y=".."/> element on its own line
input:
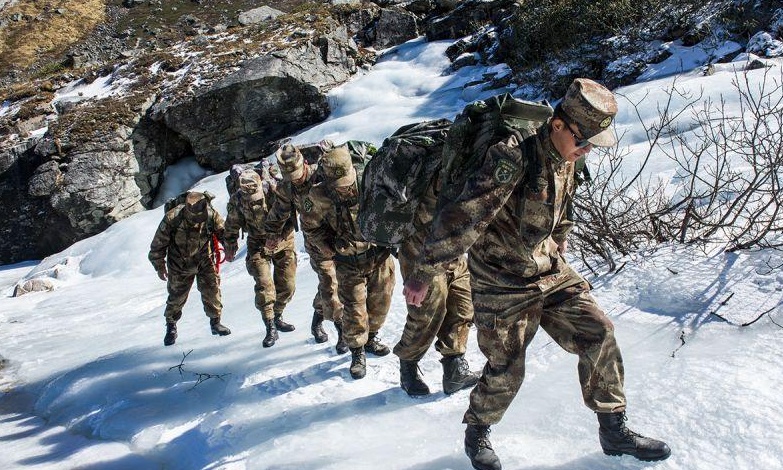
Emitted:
<point x="46" y="28"/>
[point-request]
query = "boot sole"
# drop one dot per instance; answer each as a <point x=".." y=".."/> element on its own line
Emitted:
<point x="614" y="453"/>
<point x="320" y="339"/>
<point x="220" y="334"/>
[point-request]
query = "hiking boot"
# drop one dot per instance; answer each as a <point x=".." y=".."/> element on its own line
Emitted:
<point x="317" y="328"/>
<point x="171" y="334"/>
<point x="457" y="374"/>
<point x="340" y="347"/>
<point x="375" y="347"/>
<point x="478" y="448"/>
<point x="358" y="363"/>
<point x="217" y="328"/>
<point x="281" y="325"/>
<point x="411" y="381"/>
<point x="271" y="333"/>
<point x="616" y="439"/>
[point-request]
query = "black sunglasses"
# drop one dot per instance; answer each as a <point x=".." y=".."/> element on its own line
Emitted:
<point x="579" y="142"/>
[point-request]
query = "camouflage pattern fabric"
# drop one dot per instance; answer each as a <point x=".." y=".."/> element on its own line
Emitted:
<point x="447" y="311"/>
<point x="364" y="286"/>
<point x="507" y="324"/>
<point x="396" y="178"/>
<point x="446" y="314"/>
<point x="272" y="291"/>
<point x="183" y="245"/>
<point x="290" y="198"/>
<point x="519" y="280"/>
<point x="365" y="273"/>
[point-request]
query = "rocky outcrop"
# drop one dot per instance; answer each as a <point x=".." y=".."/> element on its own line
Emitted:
<point x="241" y="117"/>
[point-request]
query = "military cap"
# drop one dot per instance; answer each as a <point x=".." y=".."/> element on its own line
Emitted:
<point x="291" y="162"/>
<point x="196" y="202"/>
<point x="249" y="181"/>
<point x="337" y="166"/>
<point x="592" y="108"/>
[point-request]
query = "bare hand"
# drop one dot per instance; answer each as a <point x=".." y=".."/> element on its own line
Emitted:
<point x="562" y="246"/>
<point x="163" y="274"/>
<point x="415" y="292"/>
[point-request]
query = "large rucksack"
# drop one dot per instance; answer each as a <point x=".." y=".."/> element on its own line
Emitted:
<point x="480" y="125"/>
<point x="396" y="178"/>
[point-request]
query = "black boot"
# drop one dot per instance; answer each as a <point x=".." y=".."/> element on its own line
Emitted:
<point x="317" y="328"/>
<point x="271" y="333"/>
<point x="340" y="347"/>
<point x="375" y="347"/>
<point x="281" y="325"/>
<point x="479" y="450"/>
<point x="217" y="328"/>
<point x="358" y="363"/>
<point x="411" y="381"/>
<point x="171" y="334"/>
<point x="457" y="374"/>
<point x="616" y="439"/>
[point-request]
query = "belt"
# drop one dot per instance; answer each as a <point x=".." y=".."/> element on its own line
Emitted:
<point x="363" y="256"/>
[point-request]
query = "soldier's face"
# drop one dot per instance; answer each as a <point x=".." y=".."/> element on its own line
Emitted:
<point x="568" y="142"/>
<point x="249" y="187"/>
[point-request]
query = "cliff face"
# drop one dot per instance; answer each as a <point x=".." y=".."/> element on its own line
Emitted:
<point x="224" y="81"/>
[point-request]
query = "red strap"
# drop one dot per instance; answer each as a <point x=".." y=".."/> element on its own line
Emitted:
<point x="218" y="253"/>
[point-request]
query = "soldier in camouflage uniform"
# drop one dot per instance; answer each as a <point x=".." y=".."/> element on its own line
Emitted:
<point x="247" y="210"/>
<point x="299" y="177"/>
<point x="445" y="314"/>
<point x="182" y="250"/>
<point x="513" y="222"/>
<point x="365" y="272"/>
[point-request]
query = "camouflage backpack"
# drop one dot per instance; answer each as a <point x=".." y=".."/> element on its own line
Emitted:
<point x="480" y="125"/>
<point x="179" y="200"/>
<point x="396" y="178"/>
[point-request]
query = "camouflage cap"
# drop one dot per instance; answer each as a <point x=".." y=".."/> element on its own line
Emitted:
<point x="291" y="162"/>
<point x="337" y="166"/>
<point x="195" y="202"/>
<point x="591" y="107"/>
<point x="249" y="181"/>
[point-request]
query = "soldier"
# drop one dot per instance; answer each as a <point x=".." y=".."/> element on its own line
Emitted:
<point x="181" y="251"/>
<point x="446" y="313"/>
<point x="513" y="220"/>
<point x="365" y="272"/>
<point x="247" y="210"/>
<point x="298" y="178"/>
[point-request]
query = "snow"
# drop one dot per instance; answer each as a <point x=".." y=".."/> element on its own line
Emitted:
<point x="88" y="383"/>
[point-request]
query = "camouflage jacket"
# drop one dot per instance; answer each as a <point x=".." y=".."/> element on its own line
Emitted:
<point x="182" y="242"/>
<point x="511" y="232"/>
<point x="250" y="216"/>
<point x="411" y="248"/>
<point x="331" y="227"/>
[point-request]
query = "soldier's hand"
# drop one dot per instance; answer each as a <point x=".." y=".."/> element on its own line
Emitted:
<point x="415" y="291"/>
<point x="163" y="274"/>
<point x="231" y="252"/>
<point x="562" y="246"/>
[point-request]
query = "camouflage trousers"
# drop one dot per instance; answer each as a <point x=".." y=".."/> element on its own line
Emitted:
<point x="446" y="314"/>
<point x="273" y="290"/>
<point x="364" y="286"/>
<point x="181" y="276"/>
<point x="507" y="323"/>
<point x="326" y="302"/>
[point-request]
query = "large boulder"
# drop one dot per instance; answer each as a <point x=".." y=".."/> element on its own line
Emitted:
<point x="241" y="117"/>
